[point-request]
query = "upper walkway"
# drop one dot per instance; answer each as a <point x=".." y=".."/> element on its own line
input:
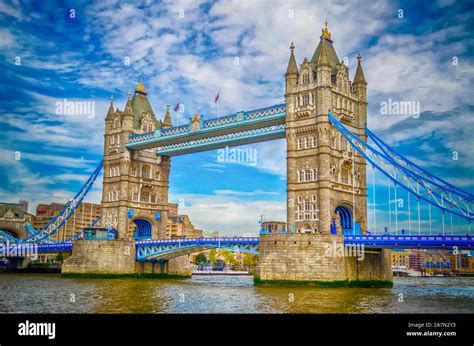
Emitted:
<point x="200" y="135"/>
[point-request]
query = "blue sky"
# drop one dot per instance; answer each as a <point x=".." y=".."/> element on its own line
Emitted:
<point x="188" y="59"/>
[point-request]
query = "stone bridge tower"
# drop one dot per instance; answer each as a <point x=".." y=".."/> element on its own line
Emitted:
<point x="326" y="184"/>
<point x="135" y="187"/>
<point x="326" y="181"/>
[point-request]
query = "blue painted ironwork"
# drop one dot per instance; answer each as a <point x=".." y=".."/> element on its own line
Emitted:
<point x="44" y="234"/>
<point x="156" y="249"/>
<point x="219" y="141"/>
<point x="238" y="122"/>
<point x="411" y="242"/>
<point x="433" y="195"/>
<point x="410" y="165"/>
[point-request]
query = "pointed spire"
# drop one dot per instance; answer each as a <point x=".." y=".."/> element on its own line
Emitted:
<point x="359" y="77"/>
<point x="292" y="69"/>
<point x="167" y="121"/>
<point x="128" y="108"/>
<point x="110" y="112"/>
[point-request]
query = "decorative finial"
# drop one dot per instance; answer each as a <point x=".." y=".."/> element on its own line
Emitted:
<point x="292" y="46"/>
<point x="129" y="93"/>
<point x="359" y="56"/>
<point x="141" y="88"/>
<point x="111" y="98"/>
<point x="167" y="106"/>
<point x="325" y="31"/>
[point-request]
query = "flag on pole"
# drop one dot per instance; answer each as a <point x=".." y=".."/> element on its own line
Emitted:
<point x="176" y="108"/>
<point x="217" y="98"/>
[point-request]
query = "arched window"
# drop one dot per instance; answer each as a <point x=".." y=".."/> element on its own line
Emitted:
<point x="116" y="122"/>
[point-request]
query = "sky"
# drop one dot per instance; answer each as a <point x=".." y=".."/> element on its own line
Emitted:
<point x="188" y="51"/>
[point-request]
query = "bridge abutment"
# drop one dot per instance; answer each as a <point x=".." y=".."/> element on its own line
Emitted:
<point x="100" y="258"/>
<point x="114" y="258"/>
<point x="320" y="259"/>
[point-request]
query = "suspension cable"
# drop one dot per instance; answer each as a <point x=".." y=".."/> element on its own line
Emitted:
<point x="396" y="203"/>
<point x="442" y="214"/>
<point x="353" y="192"/>
<point x="429" y="215"/>
<point x="409" y="216"/>
<point x="418" y="202"/>
<point x="389" y="209"/>
<point x="373" y="190"/>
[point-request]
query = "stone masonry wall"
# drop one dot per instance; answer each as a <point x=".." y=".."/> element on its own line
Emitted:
<point x="317" y="257"/>
<point x="101" y="257"/>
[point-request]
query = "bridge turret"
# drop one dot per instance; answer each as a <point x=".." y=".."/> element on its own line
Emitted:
<point x="291" y="75"/>
<point x="167" y="121"/>
<point x="360" y="91"/>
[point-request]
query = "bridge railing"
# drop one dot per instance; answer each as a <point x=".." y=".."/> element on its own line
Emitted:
<point x="235" y="119"/>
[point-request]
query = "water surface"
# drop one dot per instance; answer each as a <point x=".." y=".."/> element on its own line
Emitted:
<point x="49" y="293"/>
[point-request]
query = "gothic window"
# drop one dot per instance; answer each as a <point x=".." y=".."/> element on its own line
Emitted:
<point x="305" y="143"/>
<point x="305" y="100"/>
<point x="300" y="199"/>
<point x="112" y="140"/>
<point x="309" y="175"/>
<point x="333" y="143"/>
<point x="345" y="173"/>
<point x="313" y="198"/>
<point x="298" y="143"/>
<point x="135" y="195"/>
<point x="301" y="176"/>
<point x="145" y="195"/>
<point x="134" y="171"/>
<point x="343" y="144"/>
<point x="146" y="172"/>
<point x="157" y="174"/>
<point x="116" y="122"/>
<point x="306" y="78"/>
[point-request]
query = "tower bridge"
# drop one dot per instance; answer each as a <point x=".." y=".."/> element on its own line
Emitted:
<point x="329" y="145"/>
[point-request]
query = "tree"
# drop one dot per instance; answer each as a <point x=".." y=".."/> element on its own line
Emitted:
<point x="250" y="260"/>
<point x="212" y="256"/>
<point x="201" y="259"/>
<point x="227" y="256"/>
<point x="59" y="258"/>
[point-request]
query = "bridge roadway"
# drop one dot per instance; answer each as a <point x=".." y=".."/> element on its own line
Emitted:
<point x="150" y="250"/>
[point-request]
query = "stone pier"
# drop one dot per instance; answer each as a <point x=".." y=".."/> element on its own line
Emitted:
<point x="320" y="259"/>
<point x="116" y="258"/>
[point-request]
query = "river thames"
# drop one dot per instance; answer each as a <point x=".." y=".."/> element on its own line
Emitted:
<point x="49" y="293"/>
